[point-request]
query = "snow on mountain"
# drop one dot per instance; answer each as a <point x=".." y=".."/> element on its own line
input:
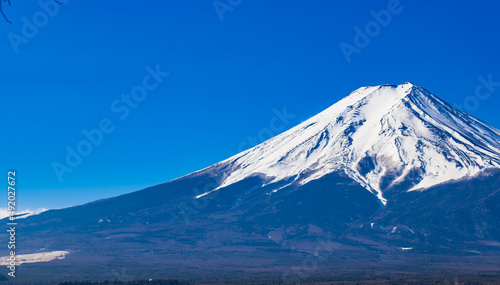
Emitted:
<point x="374" y="133"/>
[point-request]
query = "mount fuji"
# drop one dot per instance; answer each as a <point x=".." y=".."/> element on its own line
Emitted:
<point x="378" y="136"/>
<point x="389" y="176"/>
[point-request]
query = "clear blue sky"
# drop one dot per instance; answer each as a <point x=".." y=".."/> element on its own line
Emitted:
<point x="226" y="77"/>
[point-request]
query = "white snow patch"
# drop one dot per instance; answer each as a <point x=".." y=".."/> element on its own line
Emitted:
<point x="34" y="257"/>
<point x="473" y="251"/>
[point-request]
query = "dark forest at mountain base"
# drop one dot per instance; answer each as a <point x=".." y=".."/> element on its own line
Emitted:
<point x="136" y="282"/>
<point x="348" y="279"/>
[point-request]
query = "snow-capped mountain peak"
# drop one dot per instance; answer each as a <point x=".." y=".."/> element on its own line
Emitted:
<point x="379" y="136"/>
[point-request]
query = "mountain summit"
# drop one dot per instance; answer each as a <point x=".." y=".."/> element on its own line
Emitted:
<point x="379" y="136"/>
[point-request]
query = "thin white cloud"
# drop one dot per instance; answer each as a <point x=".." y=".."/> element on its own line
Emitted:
<point x="5" y="213"/>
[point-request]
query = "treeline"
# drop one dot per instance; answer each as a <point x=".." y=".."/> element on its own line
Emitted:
<point x="152" y="282"/>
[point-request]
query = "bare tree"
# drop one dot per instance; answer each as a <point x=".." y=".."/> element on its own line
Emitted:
<point x="8" y="2"/>
<point x="1" y="10"/>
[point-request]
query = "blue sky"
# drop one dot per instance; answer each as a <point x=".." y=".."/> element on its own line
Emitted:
<point x="231" y="69"/>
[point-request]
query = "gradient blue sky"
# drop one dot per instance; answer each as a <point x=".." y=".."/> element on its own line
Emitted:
<point x="226" y="77"/>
